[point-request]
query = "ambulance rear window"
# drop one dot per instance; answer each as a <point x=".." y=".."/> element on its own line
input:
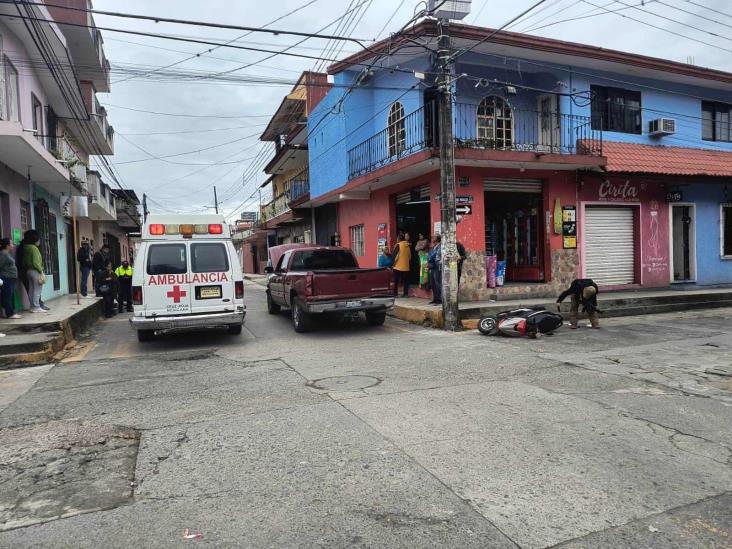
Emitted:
<point x="209" y="258"/>
<point x="167" y="259"/>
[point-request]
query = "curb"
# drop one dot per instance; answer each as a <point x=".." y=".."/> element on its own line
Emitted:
<point x="44" y="351"/>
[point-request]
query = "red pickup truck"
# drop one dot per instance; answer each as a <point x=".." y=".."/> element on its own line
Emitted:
<point x="313" y="280"/>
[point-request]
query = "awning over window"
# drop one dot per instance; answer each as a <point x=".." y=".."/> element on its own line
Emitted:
<point x="650" y="159"/>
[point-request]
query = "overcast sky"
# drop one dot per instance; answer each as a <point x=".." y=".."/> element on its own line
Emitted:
<point x="184" y="183"/>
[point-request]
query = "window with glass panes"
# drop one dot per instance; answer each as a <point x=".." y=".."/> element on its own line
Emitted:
<point x="357" y="240"/>
<point x="726" y="230"/>
<point x="616" y="110"/>
<point x="495" y="122"/>
<point x="716" y="121"/>
<point x="397" y="132"/>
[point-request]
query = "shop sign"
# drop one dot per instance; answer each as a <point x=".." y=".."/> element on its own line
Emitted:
<point x="17" y="236"/>
<point x="611" y="191"/>
<point x="674" y="196"/>
<point x="437" y="228"/>
<point x="569" y="227"/>
<point x="459" y="199"/>
<point x="465" y="209"/>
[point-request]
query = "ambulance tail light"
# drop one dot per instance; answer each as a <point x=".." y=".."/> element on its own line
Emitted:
<point x="216" y="228"/>
<point x="239" y="289"/>
<point x="137" y="295"/>
<point x="157" y="229"/>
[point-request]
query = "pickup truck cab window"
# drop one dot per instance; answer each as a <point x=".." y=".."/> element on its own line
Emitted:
<point x="319" y="260"/>
<point x="282" y="263"/>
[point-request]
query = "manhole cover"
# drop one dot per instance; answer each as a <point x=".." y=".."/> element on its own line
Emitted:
<point x="344" y="383"/>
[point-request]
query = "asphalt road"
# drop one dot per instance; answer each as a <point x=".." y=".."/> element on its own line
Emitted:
<point x="354" y="436"/>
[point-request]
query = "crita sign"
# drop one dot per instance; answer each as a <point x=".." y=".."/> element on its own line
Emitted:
<point x="196" y="278"/>
<point x="617" y="191"/>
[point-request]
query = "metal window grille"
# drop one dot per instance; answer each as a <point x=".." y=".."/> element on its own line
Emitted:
<point x="397" y="130"/>
<point x="495" y="122"/>
<point x="357" y="240"/>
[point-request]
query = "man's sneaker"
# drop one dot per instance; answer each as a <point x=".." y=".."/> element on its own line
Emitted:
<point x="15" y="317"/>
<point x="38" y="310"/>
<point x="45" y="308"/>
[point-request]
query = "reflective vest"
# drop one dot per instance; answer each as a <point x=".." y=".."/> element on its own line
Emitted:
<point x="122" y="272"/>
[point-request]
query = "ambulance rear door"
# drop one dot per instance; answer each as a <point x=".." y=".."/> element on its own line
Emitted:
<point x="212" y="277"/>
<point x="166" y="288"/>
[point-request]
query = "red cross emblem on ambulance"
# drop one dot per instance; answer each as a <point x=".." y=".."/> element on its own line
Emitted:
<point x="177" y="293"/>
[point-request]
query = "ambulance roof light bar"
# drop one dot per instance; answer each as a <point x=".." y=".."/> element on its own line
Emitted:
<point x="186" y="230"/>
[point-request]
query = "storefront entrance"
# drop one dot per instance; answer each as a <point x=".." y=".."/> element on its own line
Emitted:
<point x="514" y="231"/>
<point x="609" y="236"/>
<point x="682" y="239"/>
<point x="413" y="217"/>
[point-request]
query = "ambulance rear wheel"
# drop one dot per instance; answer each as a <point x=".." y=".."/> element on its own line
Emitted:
<point x="234" y="329"/>
<point x="145" y="335"/>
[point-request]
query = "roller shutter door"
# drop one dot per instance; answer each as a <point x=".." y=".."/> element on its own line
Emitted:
<point x="610" y="245"/>
<point x="512" y="185"/>
<point x="417" y="193"/>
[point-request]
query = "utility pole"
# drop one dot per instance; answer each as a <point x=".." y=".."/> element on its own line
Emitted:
<point x="450" y="311"/>
<point x="144" y="208"/>
<point x="216" y="200"/>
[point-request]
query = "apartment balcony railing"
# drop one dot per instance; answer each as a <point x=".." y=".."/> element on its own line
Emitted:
<point x="393" y="143"/>
<point x="300" y="185"/>
<point x="100" y="116"/>
<point x="276" y="207"/>
<point x="522" y="130"/>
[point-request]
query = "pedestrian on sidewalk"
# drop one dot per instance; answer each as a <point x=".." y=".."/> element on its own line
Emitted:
<point x="99" y="265"/>
<point x="124" y="279"/>
<point x="9" y="277"/>
<point x="435" y="263"/>
<point x="386" y="261"/>
<point x="108" y="288"/>
<point x="402" y="264"/>
<point x="583" y="292"/>
<point x="84" y="257"/>
<point x="422" y="248"/>
<point x="33" y="266"/>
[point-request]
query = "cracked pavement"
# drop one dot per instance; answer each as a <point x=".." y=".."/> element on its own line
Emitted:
<point x="354" y="436"/>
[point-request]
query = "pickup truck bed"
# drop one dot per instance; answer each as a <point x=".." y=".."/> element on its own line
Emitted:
<point x="310" y="292"/>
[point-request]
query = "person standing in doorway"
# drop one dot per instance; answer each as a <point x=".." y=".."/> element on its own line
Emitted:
<point x="99" y="262"/>
<point x="386" y="261"/>
<point x="583" y="292"/>
<point x="84" y="257"/>
<point x="9" y="276"/>
<point x="434" y="261"/>
<point x="124" y="282"/>
<point x="402" y="264"/>
<point x="35" y="272"/>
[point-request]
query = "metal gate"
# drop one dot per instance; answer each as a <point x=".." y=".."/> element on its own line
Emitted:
<point x="609" y="236"/>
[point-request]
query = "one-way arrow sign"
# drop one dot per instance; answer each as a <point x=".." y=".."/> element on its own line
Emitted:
<point x="464" y="209"/>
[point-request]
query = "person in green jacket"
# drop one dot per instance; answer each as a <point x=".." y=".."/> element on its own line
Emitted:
<point x="33" y="265"/>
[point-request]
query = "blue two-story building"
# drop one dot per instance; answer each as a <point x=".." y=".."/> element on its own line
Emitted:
<point x="570" y="160"/>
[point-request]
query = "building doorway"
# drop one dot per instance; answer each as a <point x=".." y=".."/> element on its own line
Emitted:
<point x="413" y="216"/>
<point x="683" y="238"/>
<point x="514" y="230"/>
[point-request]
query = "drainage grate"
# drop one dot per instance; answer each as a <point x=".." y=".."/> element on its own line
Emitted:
<point x="344" y="383"/>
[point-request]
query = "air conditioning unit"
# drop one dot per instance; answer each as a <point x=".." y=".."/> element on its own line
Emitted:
<point x="662" y="126"/>
<point x="450" y="9"/>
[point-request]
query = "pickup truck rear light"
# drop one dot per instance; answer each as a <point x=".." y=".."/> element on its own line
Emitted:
<point x="239" y="289"/>
<point x="137" y="295"/>
<point x="309" y="285"/>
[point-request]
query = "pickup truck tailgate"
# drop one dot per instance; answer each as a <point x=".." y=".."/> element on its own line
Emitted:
<point x="336" y="284"/>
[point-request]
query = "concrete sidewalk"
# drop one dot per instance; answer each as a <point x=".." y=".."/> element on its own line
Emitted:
<point x="36" y="337"/>
<point x="613" y="304"/>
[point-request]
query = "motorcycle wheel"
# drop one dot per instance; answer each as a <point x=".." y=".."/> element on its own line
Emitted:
<point x="487" y="325"/>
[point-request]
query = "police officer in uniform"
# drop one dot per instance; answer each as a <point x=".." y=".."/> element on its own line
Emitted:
<point x="124" y="278"/>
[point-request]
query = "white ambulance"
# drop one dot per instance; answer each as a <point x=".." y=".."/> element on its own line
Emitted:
<point x="186" y="276"/>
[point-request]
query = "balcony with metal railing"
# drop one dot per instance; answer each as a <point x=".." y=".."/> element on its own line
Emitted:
<point x="278" y="206"/>
<point x="300" y="186"/>
<point x="478" y="128"/>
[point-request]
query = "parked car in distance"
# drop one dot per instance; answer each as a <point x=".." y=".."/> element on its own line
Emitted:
<point x="316" y="280"/>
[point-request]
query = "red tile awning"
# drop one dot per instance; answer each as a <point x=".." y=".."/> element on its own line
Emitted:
<point x="651" y="159"/>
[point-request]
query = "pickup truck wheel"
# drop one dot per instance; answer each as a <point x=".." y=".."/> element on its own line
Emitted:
<point x="301" y="321"/>
<point x="234" y="329"/>
<point x="272" y="307"/>
<point x="145" y="335"/>
<point x="376" y="319"/>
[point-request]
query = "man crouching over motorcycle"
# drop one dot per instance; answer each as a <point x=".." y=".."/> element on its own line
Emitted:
<point x="583" y="292"/>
